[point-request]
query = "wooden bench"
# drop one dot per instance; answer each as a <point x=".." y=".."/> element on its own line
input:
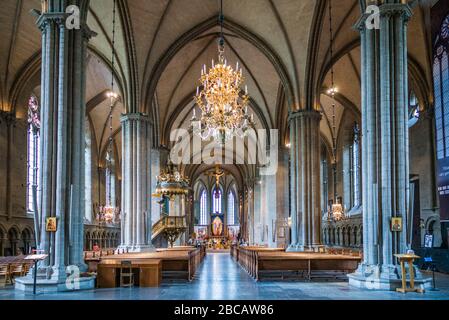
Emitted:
<point x="148" y="272"/>
<point x="264" y="263"/>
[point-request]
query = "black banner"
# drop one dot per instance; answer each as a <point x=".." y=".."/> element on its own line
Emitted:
<point x="443" y="187"/>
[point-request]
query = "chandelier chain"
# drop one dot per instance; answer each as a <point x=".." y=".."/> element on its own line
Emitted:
<point x="332" y="88"/>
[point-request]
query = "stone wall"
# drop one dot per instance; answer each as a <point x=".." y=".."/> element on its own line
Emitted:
<point x="16" y="226"/>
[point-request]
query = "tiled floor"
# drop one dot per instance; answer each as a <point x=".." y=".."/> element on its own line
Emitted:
<point x="220" y="278"/>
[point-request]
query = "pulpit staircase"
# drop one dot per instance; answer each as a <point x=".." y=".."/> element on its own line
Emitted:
<point x="167" y="230"/>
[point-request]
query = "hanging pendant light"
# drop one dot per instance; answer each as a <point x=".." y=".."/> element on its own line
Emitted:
<point x="109" y="213"/>
<point x="224" y="108"/>
<point x="336" y="211"/>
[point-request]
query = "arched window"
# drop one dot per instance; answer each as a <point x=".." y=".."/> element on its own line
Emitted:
<point x="441" y="87"/>
<point x="217" y="201"/>
<point x="413" y="109"/>
<point x="324" y="183"/>
<point x="110" y="180"/>
<point x="203" y="208"/>
<point x="33" y="153"/>
<point x="231" y="208"/>
<point x="88" y="172"/>
<point x="356" y="165"/>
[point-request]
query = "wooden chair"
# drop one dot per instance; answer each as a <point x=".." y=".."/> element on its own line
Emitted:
<point x="26" y="268"/>
<point x="5" y="276"/>
<point x="126" y="274"/>
<point x="16" y="270"/>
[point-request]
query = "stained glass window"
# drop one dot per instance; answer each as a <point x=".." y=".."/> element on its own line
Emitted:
<point x="33" y="153"/>
<point x="203" y="208"/>
<point x="414" y="111"/>
<point x="231" y="208"/>
<point x="324" y="184"/>
<point x="356" y="165"/>
<point x="441" y="87"/>
<point x="110" y="180"/>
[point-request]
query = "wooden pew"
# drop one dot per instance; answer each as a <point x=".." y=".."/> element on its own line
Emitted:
<point x="263" y="262"/>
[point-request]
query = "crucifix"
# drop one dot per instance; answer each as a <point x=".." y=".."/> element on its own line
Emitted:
<point x="217" y="173"/>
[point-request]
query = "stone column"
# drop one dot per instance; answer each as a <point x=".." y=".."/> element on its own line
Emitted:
<point x="62" y="144"/>
<point x="385" y="158"/>
<point x="305" y="180"/>
<point x="136" y="183"/>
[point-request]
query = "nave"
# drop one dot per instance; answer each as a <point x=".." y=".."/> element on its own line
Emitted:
<point x="297" y="140"/>
<point x="221" y="278"/>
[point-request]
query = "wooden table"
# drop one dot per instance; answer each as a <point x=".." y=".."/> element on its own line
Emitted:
<point x="149" y="272"/>
<point x="403" y="259"/>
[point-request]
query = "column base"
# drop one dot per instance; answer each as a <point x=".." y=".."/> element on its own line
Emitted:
<point x="383" y="278"/>
<point x="58" y="281"/>
<point x="137" y="248"/>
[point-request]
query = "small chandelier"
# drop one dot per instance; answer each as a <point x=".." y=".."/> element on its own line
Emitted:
<point x="336" y="212"/>
<point x="107" y="214"/>
<point x="224" y="113"/>
<point x="110" y="214"/>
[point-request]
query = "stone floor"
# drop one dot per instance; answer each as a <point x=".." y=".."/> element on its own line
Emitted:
<point x="220" y="278"/>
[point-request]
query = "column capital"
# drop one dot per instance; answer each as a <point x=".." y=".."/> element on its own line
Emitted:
<point x="396" y="9"/>
<point x="135" y="117"/>
<point x="45" y="19"/>
<point x="385" y="10"/>
<point x="313" y="114"/>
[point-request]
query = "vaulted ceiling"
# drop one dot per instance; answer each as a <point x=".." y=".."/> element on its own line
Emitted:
<point x="161" y="45"/>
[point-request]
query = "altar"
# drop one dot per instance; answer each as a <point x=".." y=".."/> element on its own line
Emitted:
<point x="217" y="226"/>
<point x="217" y="235"/>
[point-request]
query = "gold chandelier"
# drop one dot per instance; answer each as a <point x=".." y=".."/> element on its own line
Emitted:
<point x="336" y="212"/>
<point x="224" y="110"/>
<point x="109" y="213"/>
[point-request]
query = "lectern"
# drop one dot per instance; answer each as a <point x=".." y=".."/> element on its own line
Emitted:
<point x="36" y="258"/>
<point x="403" y="259"/>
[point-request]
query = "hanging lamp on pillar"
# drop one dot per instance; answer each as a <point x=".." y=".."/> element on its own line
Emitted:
<point x="110" y="213"/>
